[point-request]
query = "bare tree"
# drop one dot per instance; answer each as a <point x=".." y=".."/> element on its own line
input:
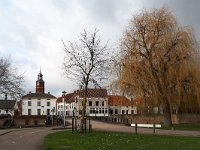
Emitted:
<point x="10" y="81"/>
<point x="157" y="60"/>
<point x="86" y="61"/>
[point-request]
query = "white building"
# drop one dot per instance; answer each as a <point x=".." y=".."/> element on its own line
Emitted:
<point x="96" y="105"/>
<point x="120" y="105"/>
<point x="38" y="103"/>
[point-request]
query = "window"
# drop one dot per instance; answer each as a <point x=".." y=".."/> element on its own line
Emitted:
<point x="102" y="103"/>
<point x="97" y="103"/>
<point x="106" y="110"/>
<point x="123" y="111"/>
<point x="48" y="103"/>
<point x="90" y="103"/>
<point x="91" y="111"/>
<point x="39" y="103"/>
<point x="29" y="103"/>
<point x="80" y="112"/>
<point x="29" y="111"/>
<point x="132" y="111"/>
<point x="116" y="111"/>
<point x="111" y="111"/>
<point x="39" y="111"/>
<point x="48" y="111"/>
<point x="127" y="112"/>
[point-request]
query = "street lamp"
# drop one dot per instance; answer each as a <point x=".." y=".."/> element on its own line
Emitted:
<point x="53" y="110"/>
<point x="63" y="98"/>
<point x="95" y="112"/>
<point x="74" y="112"/>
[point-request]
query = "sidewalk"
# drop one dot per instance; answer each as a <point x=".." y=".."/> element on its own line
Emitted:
<point x="5" y="131"/>
<point x="122" y="128"/>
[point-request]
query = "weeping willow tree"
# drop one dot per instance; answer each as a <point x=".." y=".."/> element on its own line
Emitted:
<point x="158" y="61"/>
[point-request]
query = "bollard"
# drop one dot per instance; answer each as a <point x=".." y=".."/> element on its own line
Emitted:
<point x="72" y="125"/>
<point x="76" y="124"/>
<point x="85" y="124"/>
<point x="90" y="126"/>
<point x="154" y="128"/>
<point x="136" y="128"/>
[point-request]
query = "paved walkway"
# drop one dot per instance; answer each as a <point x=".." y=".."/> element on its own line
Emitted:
<point x="122" y="128"/>
<point x="5" y="131"/>
<point x="97" y="125"/>
<point x="25" y="138"/>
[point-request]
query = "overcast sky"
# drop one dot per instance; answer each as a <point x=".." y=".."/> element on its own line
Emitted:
<point x="32" y="31"/>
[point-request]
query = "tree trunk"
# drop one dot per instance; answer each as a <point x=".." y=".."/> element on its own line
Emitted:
<point x="167" y="114"/>
<point x="84" y="110"/>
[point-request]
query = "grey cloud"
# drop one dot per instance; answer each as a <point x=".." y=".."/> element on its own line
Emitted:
<point x="103" y="10"/>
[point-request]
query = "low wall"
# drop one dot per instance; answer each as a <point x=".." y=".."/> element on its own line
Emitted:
<point x="188" y="118"/>
<point x="176" y="118"/>
<point x="153" y="118"/>
<point x="25" y="121"/>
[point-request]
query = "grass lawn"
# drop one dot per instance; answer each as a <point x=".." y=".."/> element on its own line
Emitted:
<point x="191" y="127"/>
<point x="118" y="141"/>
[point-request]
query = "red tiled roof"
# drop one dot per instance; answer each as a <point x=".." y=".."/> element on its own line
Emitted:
<point x="116" y="100"/>
<point x="92" y="93"/>
<point x="140" y="102"/>
<point x="67" y="97"/>
<point x="97" y="93"/>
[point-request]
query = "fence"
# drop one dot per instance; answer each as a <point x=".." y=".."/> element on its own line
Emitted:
<point x="76" y="125"/>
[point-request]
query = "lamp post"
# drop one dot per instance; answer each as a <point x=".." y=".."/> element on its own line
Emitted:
<point x="74" y="112"/>
<point x="64" y="113"/>
<point x="53" y="110"/>
<point x="95" y="112"/>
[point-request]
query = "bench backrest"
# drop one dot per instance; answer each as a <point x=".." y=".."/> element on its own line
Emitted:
<point x="146" y="125"/>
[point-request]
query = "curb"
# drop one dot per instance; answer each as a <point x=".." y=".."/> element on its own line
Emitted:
<point x="5" y="133"/>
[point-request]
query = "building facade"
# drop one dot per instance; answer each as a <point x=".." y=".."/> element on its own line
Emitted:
<point x="120" y="105"/>
<point x="38" y="103"/>
<point x="96" y="104"/>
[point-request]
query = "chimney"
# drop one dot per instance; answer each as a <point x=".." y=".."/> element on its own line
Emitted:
<point x="6" y="96"/>
<point x="48" y="92"/>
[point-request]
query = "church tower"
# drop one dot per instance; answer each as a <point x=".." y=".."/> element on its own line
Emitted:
<point x="39" y="84"/>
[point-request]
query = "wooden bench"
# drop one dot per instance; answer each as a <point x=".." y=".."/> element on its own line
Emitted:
<point x="154" y="126"/>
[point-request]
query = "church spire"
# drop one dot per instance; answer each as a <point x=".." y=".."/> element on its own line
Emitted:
<point x="40" y="83"/>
